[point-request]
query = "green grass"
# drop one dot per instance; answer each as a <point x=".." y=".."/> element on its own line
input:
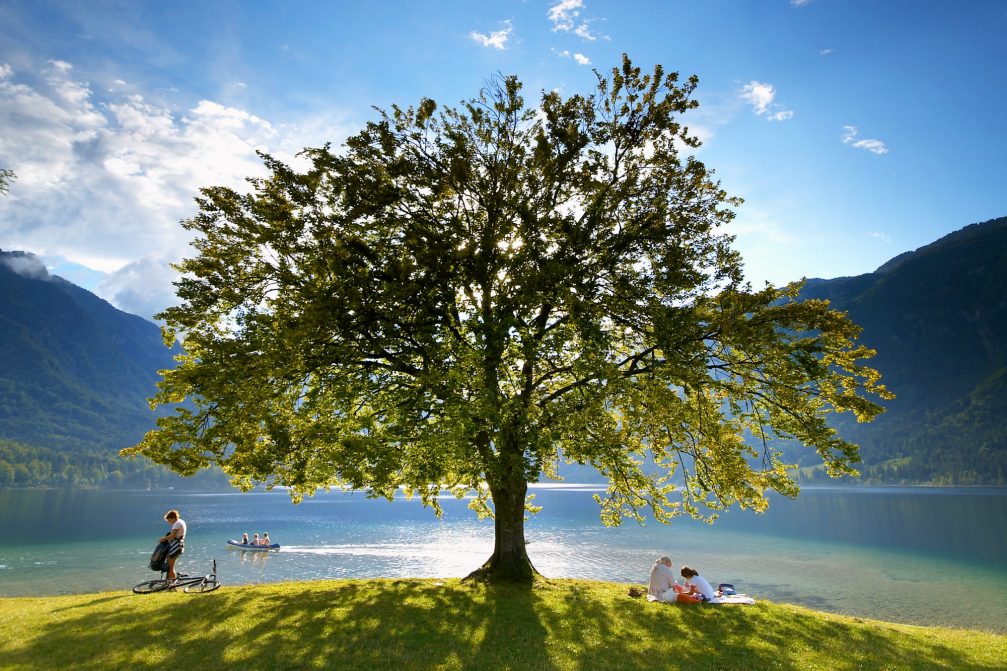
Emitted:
<point x="445" y="624"/>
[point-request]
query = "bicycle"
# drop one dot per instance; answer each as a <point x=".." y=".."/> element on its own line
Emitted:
<point x="189" y="584"/>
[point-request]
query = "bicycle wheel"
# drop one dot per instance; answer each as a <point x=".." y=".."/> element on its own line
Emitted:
<point x="204" y="585"/>
<point x="151" y="586"/>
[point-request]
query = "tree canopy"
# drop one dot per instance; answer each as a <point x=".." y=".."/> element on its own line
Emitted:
<point x="6" y="177"/>
<point x="461" y="297"/>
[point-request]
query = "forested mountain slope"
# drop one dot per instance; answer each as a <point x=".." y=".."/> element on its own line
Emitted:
<point x="938" y="319"/>
<point x="75" y="372"/>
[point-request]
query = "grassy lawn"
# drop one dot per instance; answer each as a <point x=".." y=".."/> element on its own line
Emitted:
<point x="444" y="624"/>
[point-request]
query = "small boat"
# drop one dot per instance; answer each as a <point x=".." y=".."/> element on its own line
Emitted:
<point x="249" y="546"/>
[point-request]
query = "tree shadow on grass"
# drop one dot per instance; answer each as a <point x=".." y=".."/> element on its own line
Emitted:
<point x="588" y="632"/>
<point x="513" y="633"/>
<point x="773" y="637"/>
<point x="401" y="624"/>
<point x="90" y="604"/>
<point x="423" y="624"/>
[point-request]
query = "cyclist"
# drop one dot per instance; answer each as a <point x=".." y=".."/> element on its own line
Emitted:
<point x="175" y="540"/>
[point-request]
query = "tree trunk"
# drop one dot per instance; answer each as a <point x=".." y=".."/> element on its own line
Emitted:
<point x="509" y="561"/>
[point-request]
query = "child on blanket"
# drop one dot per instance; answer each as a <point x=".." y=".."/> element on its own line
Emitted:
<point x="698" y="589"/>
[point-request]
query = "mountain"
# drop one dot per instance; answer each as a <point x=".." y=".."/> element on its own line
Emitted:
<point x="937" y="317"/>
<point x="75" y="372"/>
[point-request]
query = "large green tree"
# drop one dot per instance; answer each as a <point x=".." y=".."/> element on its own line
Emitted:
<point x="461" y="297"/>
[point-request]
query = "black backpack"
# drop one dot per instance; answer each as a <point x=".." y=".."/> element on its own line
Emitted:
<point x="159" y="558"/>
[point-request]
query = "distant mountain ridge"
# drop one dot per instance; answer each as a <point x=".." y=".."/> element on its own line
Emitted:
<point x="938" y="318"/>
<point x="75" y="372"/>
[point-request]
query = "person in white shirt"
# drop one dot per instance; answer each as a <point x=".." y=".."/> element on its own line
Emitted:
<point x="699" y="590"/>
<point x="175" y="540"/>
<point x="663" y="585"/>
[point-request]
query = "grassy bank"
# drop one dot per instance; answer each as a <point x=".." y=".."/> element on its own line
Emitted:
<point x="443" y="624"/>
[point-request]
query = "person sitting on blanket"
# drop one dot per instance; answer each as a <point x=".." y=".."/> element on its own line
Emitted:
<point x="698" y="589"/>
<point x="663" y="585"/>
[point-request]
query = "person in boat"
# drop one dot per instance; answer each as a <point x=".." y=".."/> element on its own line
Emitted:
<point x="175" y="538"/>
<point x="255" y="539"/>
<point x="265" y="538"/>
<point x="698" y="589"/>
<point x="244" y="539"/>
<point x="663" y="585"/>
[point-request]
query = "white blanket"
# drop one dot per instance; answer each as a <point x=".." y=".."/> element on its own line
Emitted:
<point x="733" y="598"/>
<point x="730" y="598"/>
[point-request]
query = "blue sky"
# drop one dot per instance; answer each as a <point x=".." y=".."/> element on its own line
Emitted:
<point x="853" y="130"/>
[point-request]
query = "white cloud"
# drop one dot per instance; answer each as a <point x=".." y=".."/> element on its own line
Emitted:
<point x="565" y="17"/>
<point x="703" y="133"/>
<point x="761" y="97"/>
<point x="27" y="265"/>
<point x="800" y="3"/>
<point x="849" y="137"/>
<point x="826" y="52"/>
<point x="883" y="237"/>
<point x="873" y="146"/>
<point x="564" y="14"/>
<point x="103" y="182"/>
<point x="142" y="287"/>
<point x="581" y="59"/>
<point x="62" y="66"/>
<point x="497" y="39"/>
<point x="583" y="31"/>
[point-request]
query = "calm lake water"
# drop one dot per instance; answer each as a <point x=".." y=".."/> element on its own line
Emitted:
<point x="924" y="556"/>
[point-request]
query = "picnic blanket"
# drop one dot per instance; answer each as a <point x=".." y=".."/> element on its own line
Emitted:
<point x="733" y="598"/>
<point x="727" y="598"/>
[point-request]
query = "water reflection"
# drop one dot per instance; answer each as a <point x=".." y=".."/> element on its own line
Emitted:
<point x="65" y="515"/>
<point x="256" y="557"/>
<point x="944" y="522"/>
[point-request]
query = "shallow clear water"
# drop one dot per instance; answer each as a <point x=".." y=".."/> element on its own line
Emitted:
<point x="926" y="556"/>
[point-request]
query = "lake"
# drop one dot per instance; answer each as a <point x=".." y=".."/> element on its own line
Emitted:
<point x="914" y="555"/>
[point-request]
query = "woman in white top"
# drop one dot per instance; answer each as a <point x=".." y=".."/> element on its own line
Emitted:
<point x="175" y="540"/>
<point x="698" y="589"/>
